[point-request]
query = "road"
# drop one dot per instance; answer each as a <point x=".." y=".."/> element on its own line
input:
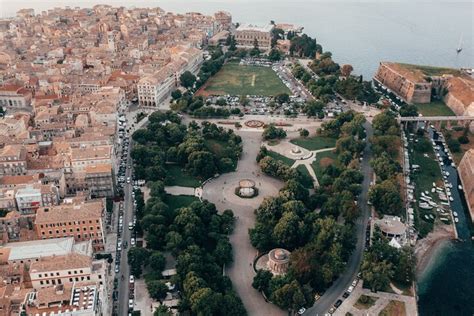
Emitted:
<point x="343" y="282"/>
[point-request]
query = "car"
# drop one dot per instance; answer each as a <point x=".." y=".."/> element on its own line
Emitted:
<point x="350" y="289"/>
<point x="332" y="310"/>
<point x="132" y="279"/>
<point x="301" y="311"/>
<point x="346" y="294"/>
<point x="130" y="304"/>
<point x="132" y="242"/>
<point x="117" y="268"/>
<point x="128" y="179"/>
<point x="317" y="297"/>
<point x="338" y="303"/>
<point x="130" y="225"/>
<point x="354" y="283"/>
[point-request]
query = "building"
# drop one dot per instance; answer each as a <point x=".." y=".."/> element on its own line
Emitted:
<point x="79" y="219"/>
<point x="391" y="227"/>
<point x="223" y="19"/>
<point x="14" y="96"/>
<point x="246" y="34"/>
<point x="26" y="252"/>
<point x="66" y="269"/>
<point x="13" y="160"/>
<point x="78" y="299"/>
<point x="466" y="173"/>
<point x="99" y="180"/>
<point x="278" y="261"/>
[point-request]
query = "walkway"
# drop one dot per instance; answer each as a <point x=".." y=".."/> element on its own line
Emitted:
<point x="220" y="191"/>
<point x="178" y="190"/>
<point x="382" y="300"/>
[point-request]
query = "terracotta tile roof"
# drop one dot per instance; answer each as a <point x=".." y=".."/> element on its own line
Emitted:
<point x="54" y="263"/>
<point x="69" y="212"/>
<point x="99" y="168"/>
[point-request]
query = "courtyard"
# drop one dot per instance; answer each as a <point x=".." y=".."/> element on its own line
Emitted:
<point x="235" y="79"/>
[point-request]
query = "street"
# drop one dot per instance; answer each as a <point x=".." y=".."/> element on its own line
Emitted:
<point x="344" y="281"/>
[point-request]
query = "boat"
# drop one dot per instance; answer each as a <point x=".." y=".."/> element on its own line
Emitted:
<point x="425" y="206"/>
<point x="460" y="187"/>
<point x="455" y="214"/>
<point x="459" y="48"/>
<point x="456" y="220"/>
<point x="451" y="199"/>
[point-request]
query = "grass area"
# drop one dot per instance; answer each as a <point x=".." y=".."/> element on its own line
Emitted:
<point x="428" y="173"/>
<point x="178" y="201"/>
<point x="177" y="176"/>
<point x="285" y="160"/>
<point x="457" y="156"/>
<point x="394" y="308"/>
<point x="315" y="142"/>
<point x="431" y="70"/>
<point x="365" y="302"/>
<point x="323" y="160"/>
<point x="303" y="170"/>
<point x="435" y="108"/>
<point x="234" y="79"/>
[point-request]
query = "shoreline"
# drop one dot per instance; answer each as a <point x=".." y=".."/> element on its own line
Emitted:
<point x="427" y="249"/>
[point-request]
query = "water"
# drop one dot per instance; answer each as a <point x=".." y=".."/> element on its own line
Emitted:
<point x="446" y="288"/>
<point x="361" y="33"/>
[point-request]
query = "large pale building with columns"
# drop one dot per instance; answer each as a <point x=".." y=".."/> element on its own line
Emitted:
<point x="246" y="34"/>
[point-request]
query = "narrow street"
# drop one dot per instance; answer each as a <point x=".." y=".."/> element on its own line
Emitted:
<point x="343" y="282"/>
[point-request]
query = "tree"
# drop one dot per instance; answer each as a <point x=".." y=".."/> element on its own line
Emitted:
<point x="162" y="310"/>
<point x="274" y="55"/>
<point x="261" y="281"/>
<point x="176" y="94"/>
<point x="233" y="44"/>
<point x="255" y="50"/>
<point x="287" y="232"/>
<point x="203" y="302"/>
<point x="273" y="132"/>
<point x="385" y="197"/>
<point x="187" y="79"/>
<point x="157" y="289"/>
<point x="137" y="258"/>
<point x="282" y="98"/>
<point x="157" y="261"/>
<point x="376" y="274"/>
<point x="304" y="132"/>
<point x="201" y="164"/>
<point x="405" y="268"/>
<point x="346" y="70"/>
<point x="289" y="296"/>
<point x="313" y="108"/>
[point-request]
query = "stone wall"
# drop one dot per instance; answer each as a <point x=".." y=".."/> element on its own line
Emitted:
<point x="466" y="173"/>
<point x="411" y="92"/>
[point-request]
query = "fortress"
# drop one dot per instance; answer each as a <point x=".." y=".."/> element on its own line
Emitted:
<point x="419" y="84"/>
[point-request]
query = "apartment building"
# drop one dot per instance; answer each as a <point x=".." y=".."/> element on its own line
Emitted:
<point x="13" y="160"/>
<point x="15" y="96"/>
<point x="79" y="219"/>
<point x="66" y="269"/>
<point x="246" y="34"/>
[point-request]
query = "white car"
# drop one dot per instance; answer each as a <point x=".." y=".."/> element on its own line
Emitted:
<point x="350" y="289"/>
<point x="132" y="242"/>
<point x="130" y="304"/>
<point x="132" y="279"/>
<point x="128" y="179"/>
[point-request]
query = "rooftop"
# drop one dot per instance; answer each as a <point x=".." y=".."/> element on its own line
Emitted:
<point x="255" y="27"/>
<point x="38" y="248"/>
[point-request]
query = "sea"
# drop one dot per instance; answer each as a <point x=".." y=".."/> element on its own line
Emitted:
<point x="361" y="33"/>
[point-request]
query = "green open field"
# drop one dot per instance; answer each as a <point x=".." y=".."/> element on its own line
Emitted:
<point x="177" y="176"/>
<point x="287" y="161"/>
<point x="234" y="79"/>
<point x="436" y="108"/>
<point x="323" y="159"/>
<point x="315" y="142"/>
<point x="179" y="201"/>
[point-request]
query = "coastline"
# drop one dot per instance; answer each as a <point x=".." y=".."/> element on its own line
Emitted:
<point x="427" y="248"/>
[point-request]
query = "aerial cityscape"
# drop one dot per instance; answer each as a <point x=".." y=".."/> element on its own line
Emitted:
<point x="217" y="158"/>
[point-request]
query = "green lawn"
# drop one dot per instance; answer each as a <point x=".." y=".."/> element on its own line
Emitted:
<point x="429" y="172"/>
<point x="315" y="142"/>
<point x="177" y="176"/>
<point x="365" y="302"/>
<point x="277" y="156"/>
<point x="436" y="108"/>
<point x="324" y="157"/>
<point x="303" y="170"/>
<point x="178" y="201"/>
<point x="432" y="70"/>
<point x="234" y="79"/>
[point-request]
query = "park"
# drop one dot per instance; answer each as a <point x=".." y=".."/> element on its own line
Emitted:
<point x="235" y="79"/>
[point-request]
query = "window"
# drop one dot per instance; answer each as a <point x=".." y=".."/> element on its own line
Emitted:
<point x="41" y="282"/>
